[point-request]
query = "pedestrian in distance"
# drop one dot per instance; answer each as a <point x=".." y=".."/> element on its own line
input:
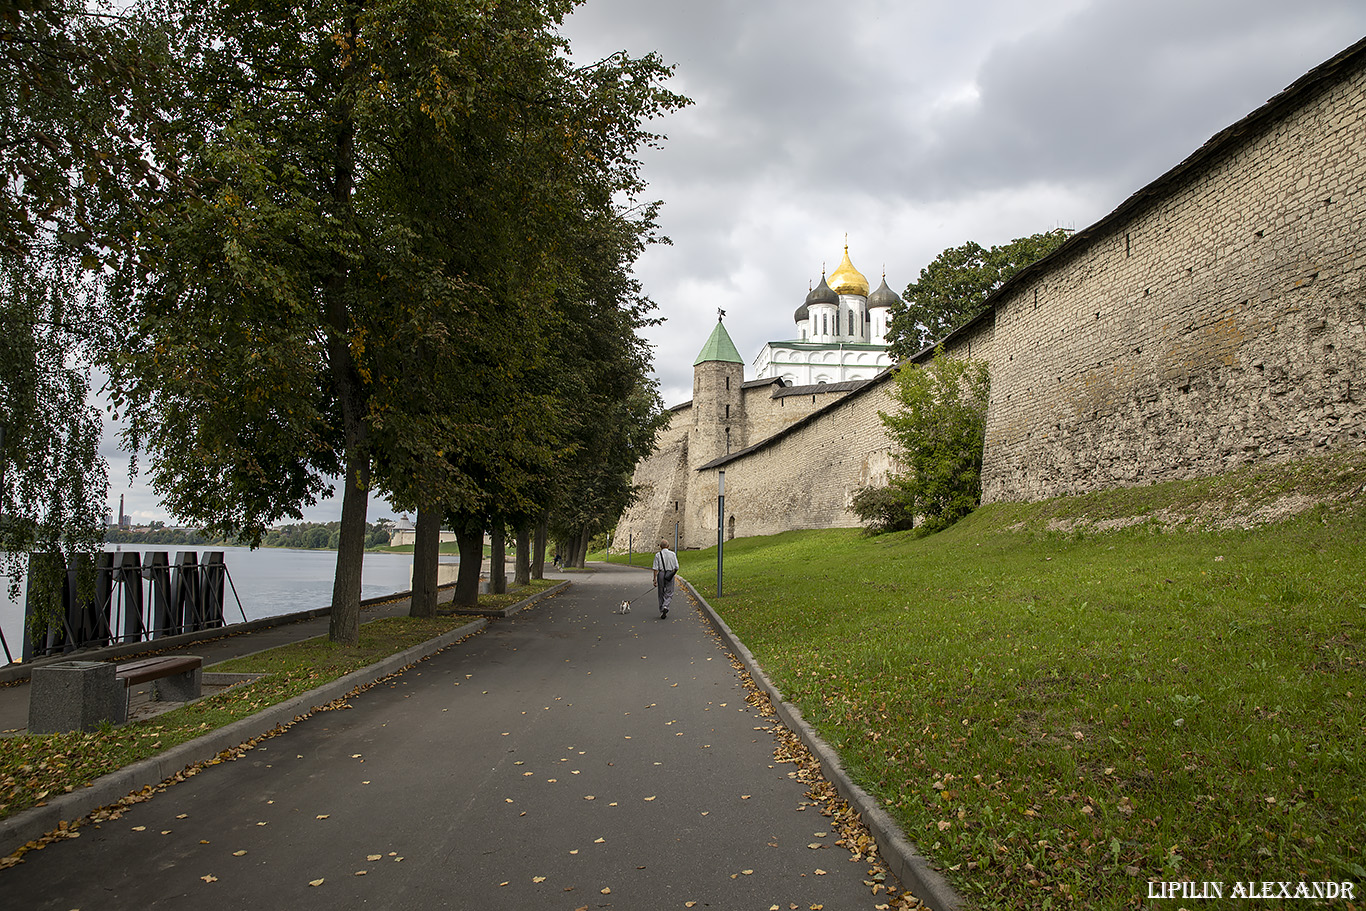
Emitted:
<point x="665" y="568"/>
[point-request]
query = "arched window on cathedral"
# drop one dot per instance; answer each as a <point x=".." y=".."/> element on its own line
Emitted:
<point x="825" y="324"/>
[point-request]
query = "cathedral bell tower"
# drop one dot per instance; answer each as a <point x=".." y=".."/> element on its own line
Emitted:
<point x="718" y="408"/>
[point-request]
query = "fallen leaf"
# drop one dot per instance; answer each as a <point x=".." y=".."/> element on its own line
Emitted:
<point x="538" y="879"/>
<point x="315" y="882"/>
<point x="209" y="878"/>
<point x="598" y="841"/>
<point x="183" y="816"/>
<point x="815" y="844"/>
<point x="373" y="857"/>
<point x="322" y="816"/>
<point x="360" y="872"/>
<point x="747" y="872"/>
<point x="238" y="853"/>
<point x="820" y="872"/>
<point x="139" y="828"/>
<point x="589" y="797"/>
<point x="651" y="798"/>
<point x="575" y="851"/>
<point x="606" y="891"/>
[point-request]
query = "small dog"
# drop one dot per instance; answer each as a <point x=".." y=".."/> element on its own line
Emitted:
<point x="625" y="607"/>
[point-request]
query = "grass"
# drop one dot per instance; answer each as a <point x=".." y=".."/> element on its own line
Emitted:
<point x="33" y="767"/>
<point x="1057" y="714"/>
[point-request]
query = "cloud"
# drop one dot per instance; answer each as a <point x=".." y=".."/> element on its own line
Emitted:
<point x="917" y="126"/>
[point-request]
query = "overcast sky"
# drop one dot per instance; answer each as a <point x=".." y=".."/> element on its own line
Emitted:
<point x="912" y="126"/>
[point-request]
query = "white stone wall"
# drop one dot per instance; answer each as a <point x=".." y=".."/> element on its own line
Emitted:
<point x="807" y="480"/>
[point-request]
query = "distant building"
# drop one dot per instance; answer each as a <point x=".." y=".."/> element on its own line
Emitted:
<point x="405" y="533"/>
<point x="841" y="333"/>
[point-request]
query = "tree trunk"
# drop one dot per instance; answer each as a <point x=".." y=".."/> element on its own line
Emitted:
<point x="471" y="545"/>
<point x="582" y="555"/>
<point x="538" y="555"/>
<point x="344" y="624"/>
<point x="522" y="574"/>
<point x="426" y="556"/>
<point x="498" y="577"/>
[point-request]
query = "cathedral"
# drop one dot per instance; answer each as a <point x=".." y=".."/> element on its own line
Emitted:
<point x="828" y="380"/>
<point x="841" y="333"/>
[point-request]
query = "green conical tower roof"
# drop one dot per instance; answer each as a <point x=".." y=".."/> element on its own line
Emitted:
<point x="719" y="348"/>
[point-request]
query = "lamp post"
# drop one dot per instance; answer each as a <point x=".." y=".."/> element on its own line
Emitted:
<point x="720" y="527"/>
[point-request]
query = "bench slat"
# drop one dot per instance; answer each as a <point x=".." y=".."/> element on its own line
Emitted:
<point x="135" y="672"/>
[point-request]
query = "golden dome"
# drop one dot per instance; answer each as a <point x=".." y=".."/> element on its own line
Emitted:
<point x="846" y="279"/>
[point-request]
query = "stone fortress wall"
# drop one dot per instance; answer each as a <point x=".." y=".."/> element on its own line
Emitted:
<point x="805" y="476"/>
<point x="673" y="491"/>
<point x="1216" y="318"/>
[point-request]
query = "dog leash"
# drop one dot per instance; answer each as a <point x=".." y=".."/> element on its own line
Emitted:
<point x="641" y="595"/>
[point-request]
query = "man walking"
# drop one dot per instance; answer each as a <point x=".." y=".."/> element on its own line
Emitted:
<point x="665" y="568"/>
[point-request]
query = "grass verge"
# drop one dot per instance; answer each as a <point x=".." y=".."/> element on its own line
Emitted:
<point x="1058" y="714"/>
<point x="34" y="767"/>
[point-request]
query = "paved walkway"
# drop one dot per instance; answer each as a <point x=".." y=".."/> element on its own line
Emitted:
<point x="569" y="757"/>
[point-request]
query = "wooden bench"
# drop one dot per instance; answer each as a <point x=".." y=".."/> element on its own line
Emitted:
<point x="174" y="678"/>
<point x="82" y="695"/>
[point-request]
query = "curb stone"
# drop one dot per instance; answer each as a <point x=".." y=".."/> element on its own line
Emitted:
<point x="915" y="871"/>
<point x="35" y="822"/>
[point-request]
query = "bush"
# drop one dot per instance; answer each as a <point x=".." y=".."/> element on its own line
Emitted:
<point x="883" y="509"/>
<point x="940" y="430"/>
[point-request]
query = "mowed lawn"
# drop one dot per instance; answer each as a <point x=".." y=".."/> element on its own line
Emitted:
<point x="1057" y="717"/>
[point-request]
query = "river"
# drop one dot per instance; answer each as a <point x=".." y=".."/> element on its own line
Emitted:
<point x="270" y="581"/>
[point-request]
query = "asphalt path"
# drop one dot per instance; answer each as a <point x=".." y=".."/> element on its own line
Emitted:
<point x="569" y="757"/>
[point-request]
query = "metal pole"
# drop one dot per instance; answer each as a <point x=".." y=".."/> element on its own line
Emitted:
<point x="675" y="537"/>
<point x="720" y="528"/>
<point x="630" y="548"/>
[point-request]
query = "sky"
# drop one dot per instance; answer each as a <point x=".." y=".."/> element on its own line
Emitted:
<point x="910" y="126"/>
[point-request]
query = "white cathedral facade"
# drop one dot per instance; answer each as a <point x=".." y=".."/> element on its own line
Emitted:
<point x="841" y="333"/>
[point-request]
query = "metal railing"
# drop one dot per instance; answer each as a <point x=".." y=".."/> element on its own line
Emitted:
<point x="132" y="600"/>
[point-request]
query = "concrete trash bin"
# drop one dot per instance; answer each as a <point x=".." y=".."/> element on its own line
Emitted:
<point x="74" y="696"/>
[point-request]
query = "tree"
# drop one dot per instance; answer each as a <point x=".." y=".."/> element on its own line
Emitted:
<point x="365" y="176"/>
<point x="955" y="286"/>
<point x="74" y="165"/>
<point x="939" y="430"/>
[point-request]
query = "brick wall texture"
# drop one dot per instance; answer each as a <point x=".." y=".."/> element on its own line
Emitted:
<point x="1218" y="323"/>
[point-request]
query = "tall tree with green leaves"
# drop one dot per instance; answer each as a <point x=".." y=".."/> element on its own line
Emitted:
<point x="76" y="161"/>
<point x="361" y="169"/>
<point x="940" y="430"/>
<point x="955" y="287"/>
